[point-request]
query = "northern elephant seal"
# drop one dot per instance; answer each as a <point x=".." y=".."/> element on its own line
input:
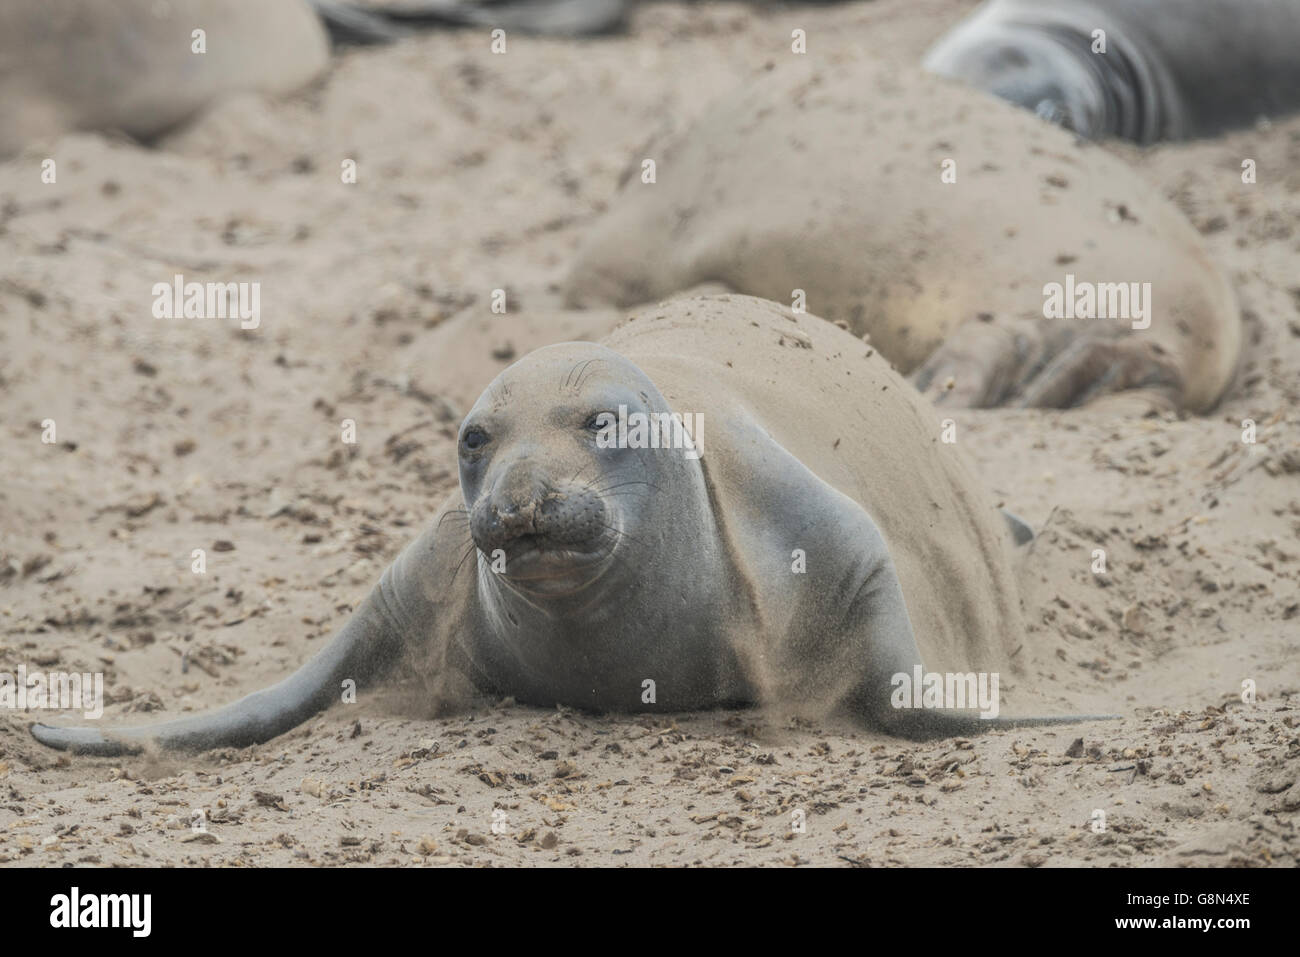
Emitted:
<point x="1158" y="69"/>
<point x="781" y="554"/>
<point x="935" y="219"/>
<point x="131" y="65"/>
<point x="135" y="66"/>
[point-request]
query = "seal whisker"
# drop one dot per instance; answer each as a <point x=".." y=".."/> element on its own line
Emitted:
<point x="577" y="386"/>
<point x="623" y="562"/>
<point x="499" y="392"/>
<point x="459" y="514"/>
<point x="579" y="472"/>
<point x="565" y="384"/>
<point x="616" y="474"/>
<point x="622" y="534"/>
<point x="468" y="552"/>
<point x="610" y="488"/>
<point x="571" y="382"/>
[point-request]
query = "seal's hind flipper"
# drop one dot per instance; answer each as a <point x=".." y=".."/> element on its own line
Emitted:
<point x="1041" y="364"/>
<point x="1096" y="366"/>
<point x="980" y="362"/>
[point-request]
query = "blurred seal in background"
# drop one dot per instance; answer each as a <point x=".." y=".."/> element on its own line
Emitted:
<point x="139" y="66"/>
<point x="1159" y="69"/>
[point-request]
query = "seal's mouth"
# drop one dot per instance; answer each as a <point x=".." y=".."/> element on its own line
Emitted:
<point x="534" y="536"/>
<point x="542" y="566"/>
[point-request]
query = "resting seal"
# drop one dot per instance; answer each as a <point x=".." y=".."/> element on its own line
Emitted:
<point x="623" y="565"/>
<point x="1171" y="70"/>
<point x="831" y="181"/>
<point x="127" y="65"/>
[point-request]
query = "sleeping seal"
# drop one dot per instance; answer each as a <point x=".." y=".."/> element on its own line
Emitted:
<point x="939" y="221"/>
<point x="129" y="65"/>
<point x="778" y="555"/>
<point x="1170" y="69"/>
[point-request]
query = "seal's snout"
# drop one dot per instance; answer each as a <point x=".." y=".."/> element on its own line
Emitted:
<point x="511" y="509"/>
<point x="510" y="522"/>
<point x="523" y="512"/>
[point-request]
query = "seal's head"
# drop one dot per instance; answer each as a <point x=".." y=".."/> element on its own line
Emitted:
<point x="1040" y="68"/>
<point x="556" y="501"/>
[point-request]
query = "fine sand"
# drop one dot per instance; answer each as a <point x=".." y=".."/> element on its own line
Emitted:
<point x="479" y="172"/>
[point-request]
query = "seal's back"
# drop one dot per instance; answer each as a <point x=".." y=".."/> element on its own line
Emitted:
<point x="835" y="404"/>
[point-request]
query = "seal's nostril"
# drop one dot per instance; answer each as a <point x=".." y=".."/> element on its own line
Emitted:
<point x="509" y="522"/>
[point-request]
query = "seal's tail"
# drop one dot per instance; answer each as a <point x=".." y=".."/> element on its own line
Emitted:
<point x="366" y="647"/>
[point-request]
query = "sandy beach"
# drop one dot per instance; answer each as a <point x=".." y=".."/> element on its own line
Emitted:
<point x="479" y="172"/>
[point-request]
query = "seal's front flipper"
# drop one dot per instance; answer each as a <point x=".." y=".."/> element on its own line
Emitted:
<point x="363" y="650"/>
<point x="922" y="724"/>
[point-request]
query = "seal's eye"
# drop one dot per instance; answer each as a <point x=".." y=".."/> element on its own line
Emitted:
<point x="600" y="420"/>
<point x="474" y="439"/>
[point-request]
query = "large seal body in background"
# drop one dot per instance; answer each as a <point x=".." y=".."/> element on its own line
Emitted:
<point x="933" y="218"/>
<point x="127" y="65"/>
<point x="824" y="541"/>
<point x="1170" y="70"/>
